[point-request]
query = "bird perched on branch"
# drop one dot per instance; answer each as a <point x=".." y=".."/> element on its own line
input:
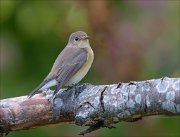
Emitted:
<point x="71" y="65"/>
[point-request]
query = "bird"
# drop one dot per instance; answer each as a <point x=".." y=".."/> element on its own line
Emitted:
<point x="71" y="65"/>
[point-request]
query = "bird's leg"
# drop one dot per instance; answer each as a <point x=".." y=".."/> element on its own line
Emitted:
<point x="54" y="94"/>
<point x="75" y="85"/>
<point x="71" y="86"/>
<point x="52" y="99"/>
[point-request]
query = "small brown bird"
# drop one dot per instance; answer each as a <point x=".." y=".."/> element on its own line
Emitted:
<point x="71" y="65"/>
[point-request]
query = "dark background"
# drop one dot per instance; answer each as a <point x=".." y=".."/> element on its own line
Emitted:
<point x="132" y="40"/>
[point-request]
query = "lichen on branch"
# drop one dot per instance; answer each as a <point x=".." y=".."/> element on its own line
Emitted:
<point x="92" y="105"/>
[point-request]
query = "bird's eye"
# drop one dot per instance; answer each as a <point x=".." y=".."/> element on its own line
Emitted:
<point x="76" y="39"/>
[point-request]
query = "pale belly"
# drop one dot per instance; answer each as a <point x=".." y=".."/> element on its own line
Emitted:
<point x="83" y="71"/>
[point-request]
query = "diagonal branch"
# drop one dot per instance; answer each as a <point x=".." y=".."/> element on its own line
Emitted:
<point x="94" y="106"/>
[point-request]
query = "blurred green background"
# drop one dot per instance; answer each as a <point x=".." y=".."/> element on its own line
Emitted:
<point x="132" y="40"/>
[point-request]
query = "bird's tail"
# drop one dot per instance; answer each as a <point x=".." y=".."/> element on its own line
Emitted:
<point x="44" y="85"/>
<point x="36" y="90"/>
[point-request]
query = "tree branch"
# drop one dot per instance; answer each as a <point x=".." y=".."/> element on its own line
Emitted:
<point x="94" y="106"/>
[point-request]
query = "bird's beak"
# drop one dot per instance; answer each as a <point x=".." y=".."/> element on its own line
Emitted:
<point x="86" y="37"/>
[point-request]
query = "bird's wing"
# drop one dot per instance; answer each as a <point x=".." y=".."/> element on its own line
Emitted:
<point x="66" y="65"/>
<point x="71" y="64"/>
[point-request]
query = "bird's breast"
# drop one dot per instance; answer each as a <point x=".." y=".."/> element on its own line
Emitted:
<point x="85" y="68"/>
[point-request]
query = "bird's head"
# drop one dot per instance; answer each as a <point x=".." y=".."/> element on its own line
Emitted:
<point x="79" y="39"/>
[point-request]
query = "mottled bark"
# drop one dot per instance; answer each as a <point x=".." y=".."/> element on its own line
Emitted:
<point x="94" y="106"/>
